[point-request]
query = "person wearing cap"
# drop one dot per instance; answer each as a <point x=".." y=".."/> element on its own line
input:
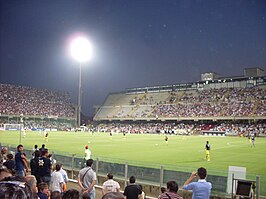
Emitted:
<point x="87" y="153"/>
<point x="110" y="185"/>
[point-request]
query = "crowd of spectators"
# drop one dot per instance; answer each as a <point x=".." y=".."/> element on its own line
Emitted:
<point x="147" y="127"/>
<point x="178" y="128"/>
<point x="43" y="181"/>
<point x="222" y="102"/>
<point x="17" y="100"/>
<point x="258" y="128"/>
<point x="25" y="185"/>
<point x="40" y="182"/>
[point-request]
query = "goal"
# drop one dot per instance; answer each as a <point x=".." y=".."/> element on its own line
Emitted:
<point x="12" y="127"/>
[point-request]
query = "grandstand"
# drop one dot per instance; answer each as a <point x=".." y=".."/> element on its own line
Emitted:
<point x="221" y="99"/>
<point x="211" y="99"/>
<point x="40" y="108"/>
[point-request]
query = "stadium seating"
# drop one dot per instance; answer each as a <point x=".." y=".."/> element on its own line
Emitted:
<point x="16" y="100"/>
<point x="40" y="107"/>
<point x="223" y="102"/>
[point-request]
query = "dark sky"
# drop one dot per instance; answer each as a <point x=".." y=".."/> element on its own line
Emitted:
<point x="136" y="43"/>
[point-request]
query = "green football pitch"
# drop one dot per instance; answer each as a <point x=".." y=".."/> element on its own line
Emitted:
<point x="181" y="153"/>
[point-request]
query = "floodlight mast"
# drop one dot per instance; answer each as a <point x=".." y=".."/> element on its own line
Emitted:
<point x="81" y="51"/>
<point x="79" y="98"/>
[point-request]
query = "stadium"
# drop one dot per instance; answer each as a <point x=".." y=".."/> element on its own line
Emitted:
<point x="126" y="135"/>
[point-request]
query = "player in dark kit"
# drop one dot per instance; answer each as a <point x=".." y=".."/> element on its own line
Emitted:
<point x="166" y="139"/>
<point x="207" y="151"/>
<point x="46" y="137"/>
<point x="253" y="140"/>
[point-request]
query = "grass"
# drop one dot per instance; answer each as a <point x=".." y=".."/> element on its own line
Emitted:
<point x="182" y="153"/>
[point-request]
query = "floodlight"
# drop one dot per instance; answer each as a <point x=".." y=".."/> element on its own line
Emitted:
<point x="81" y="49"/>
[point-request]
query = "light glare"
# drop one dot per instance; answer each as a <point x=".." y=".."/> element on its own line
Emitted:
<point x="81" y="49"/>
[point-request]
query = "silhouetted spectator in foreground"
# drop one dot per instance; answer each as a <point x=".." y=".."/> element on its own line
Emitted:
<point x="55" y="195"/>
<point x="15" y="187"/>
<point x="42" y="149"/>
<point x="34" y="165"/>
<point x="113" y="195"/>
<point x="71" y="194"/>
<point x="43" y="191"/>
<point x="5" y="172"/>
<point x="86" y="195"/>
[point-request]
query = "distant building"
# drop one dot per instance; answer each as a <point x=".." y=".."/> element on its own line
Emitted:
<point x="253" y="72"/>
<point x="248" y="72"/>
<point x="209" y="76"/>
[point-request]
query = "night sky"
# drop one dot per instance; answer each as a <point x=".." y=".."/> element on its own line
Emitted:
<point x="136" y="43"/>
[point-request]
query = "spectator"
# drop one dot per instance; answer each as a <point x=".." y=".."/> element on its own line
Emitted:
<point x="172" y="188"/>
<point x="21" y="161"/>
<point x="163" y="189"/>
<point x="34" y="149"/>
<point x="87" y="179"/>
<point x="34" y="165"/>
<point x="4" y="172"/>
<point x="32" y="182"/>
<point x="45" y="167"/>
<point x="43" y="191"/>
<point x="3" y="155"/>
<point x="201" y="189"/>
<point x="42" y="149"/>
<point x="110" y="185"/>
<point x="15" y="187"/>
<point x="65" y="177"/>
<point x="143" y="194"/>
<point x="57" y="180"/>
<point x="113" y="195"/>
<point x="86" y="195"/>
<point x="132" y="191"/>
<point x="71" y="194"/>
<point x="55" y="195"/>
<point x="10" y="162"/>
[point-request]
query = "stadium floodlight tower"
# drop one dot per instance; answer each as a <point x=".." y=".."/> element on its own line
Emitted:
<point x="81" y="51"/>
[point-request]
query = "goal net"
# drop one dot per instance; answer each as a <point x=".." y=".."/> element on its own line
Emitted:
<point x="12" y="127"/>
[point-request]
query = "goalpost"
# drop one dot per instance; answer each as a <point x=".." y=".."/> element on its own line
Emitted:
<point x="13" y="127"/>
